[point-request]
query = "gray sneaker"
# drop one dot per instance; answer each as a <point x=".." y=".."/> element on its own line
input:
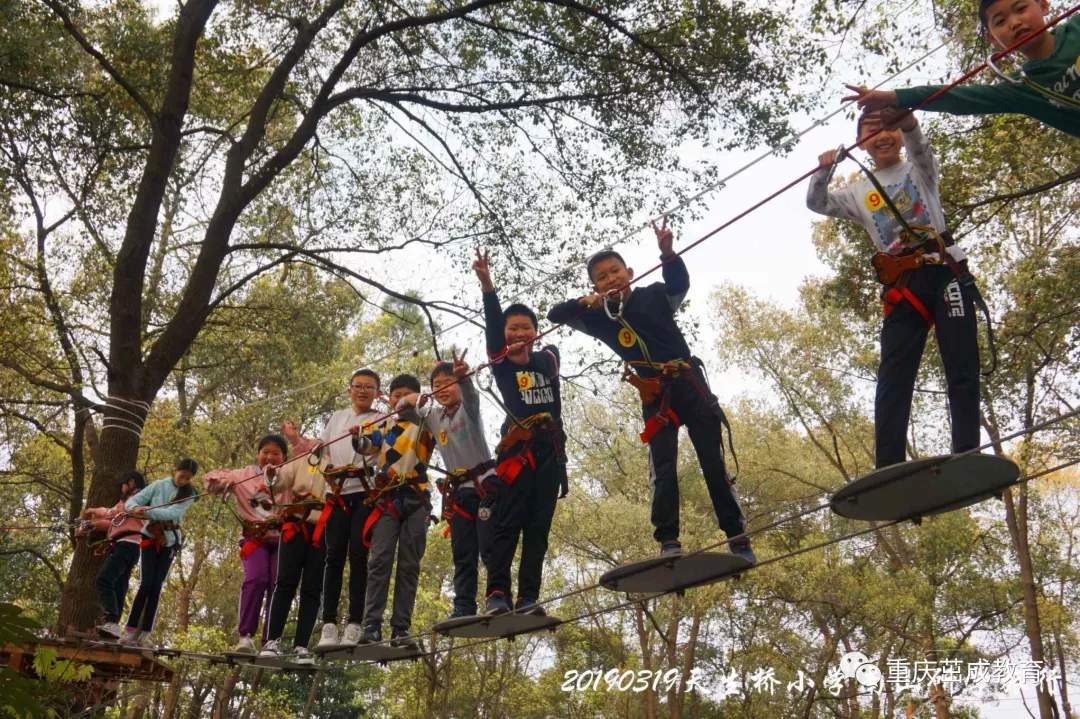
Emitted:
<point x="741" y="548"/>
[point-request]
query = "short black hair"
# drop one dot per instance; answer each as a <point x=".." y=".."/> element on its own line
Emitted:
<point x="187" y="464"/>
<point x="863" y="117"/>
<point x="604" y="254"/>
<point x="365" y="372"/>
<point x="518" y="309"/>
<point x="274" y="439"/>
<point x="135" y="477"/>
<point x="405" y="380"/>
<point x="441" y="368"/>
<point x="984" y="5"/>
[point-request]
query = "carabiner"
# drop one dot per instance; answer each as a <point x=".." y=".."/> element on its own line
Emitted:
<point x="1018" y="80"/>
<point x="616" y="316"/>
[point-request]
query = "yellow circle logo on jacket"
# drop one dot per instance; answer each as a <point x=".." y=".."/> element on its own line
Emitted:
<point x="627" y="338"/>
<point x="873" y="201"/>
<point x="524" y="380"/>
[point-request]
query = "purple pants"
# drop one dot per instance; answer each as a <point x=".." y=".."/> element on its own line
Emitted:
<point x="260" y="575"/>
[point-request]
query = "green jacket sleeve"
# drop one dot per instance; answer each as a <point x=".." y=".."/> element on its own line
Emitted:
<point x="968" y="99"/>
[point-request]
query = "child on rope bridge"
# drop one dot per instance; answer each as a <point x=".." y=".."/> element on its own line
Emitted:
<point x="162" y="504"/>
<point x="1047" y="87"/>
<point x="124" y="538"/>
<point x="639" y="325"/>
<point x="530" y="458"/>
<point x="929" y="286"/>
<point x="346" y="509"/>
<point x="400" y="512"/>
<point x="300" y="490"/>
<point x="255" y="507"/>
<point x="458" y="428"/>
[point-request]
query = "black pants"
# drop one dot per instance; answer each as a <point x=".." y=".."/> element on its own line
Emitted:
<point x="153" y="569"/>
<point x="113" y="578"/>
<point x="344" y="537"/>
<point x="524" y="509"/>
<point x="299" y="565"/>
<point x="699" y="410"/>
<point x="903" y="338"/>
<point x="465" y="544"/>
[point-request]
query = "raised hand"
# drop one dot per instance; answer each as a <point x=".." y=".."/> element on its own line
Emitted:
<point x="483" y="270"/>
<point x="665" y="238"/>
<point x="868" y="99"/>
<point x="461" y="369"/>
<point x="895" y="117"/>
<point x="827" y="159"/>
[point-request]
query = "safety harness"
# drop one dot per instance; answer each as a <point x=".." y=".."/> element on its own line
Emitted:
<point x="658" y="387"/>
<point x="157" y="530"/>
<point x="449" y="485"/>
<point x="336" y="477"/>
<point x="515" y="449"/>
<point x="382" y="503"/>
<point x="894" y="270"/>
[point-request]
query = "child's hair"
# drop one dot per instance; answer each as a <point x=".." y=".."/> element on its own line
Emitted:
<point x="863" y="117"/>
<point x="441" y="368"/>
<point x="604" y="254"/>
<point x="365" y="372"/>
<point x="187" y="464"/>
<point x="984" y="5"/>
<point x="135" y="477"/>
<point x="405" y="380"/>
<point x="274" y="439"/>
<point x="518" y="309"/>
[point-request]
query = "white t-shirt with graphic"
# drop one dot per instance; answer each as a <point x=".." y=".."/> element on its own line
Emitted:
<point x="912" y="185"/>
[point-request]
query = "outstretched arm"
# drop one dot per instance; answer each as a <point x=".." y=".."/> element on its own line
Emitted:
<point x="494" y="322"/>
<point x="676" y="276"/>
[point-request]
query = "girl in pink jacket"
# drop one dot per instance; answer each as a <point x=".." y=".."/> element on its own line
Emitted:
<point x="124" y="539"/>
<point x="259" y="544"/>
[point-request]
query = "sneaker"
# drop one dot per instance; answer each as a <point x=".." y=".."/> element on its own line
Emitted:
<point x="271" y="649"/>
<point x="246" y="645"/>
<point x="370" y="635"/>
<point x="303" y="656"/>
<point x="145" y="642"/>
<point x="352" y="635"/>
<point x="671" y="548"/>
<point x="110" y="630"/>
<point x="402" y="640"/>
<point x="497" y="604"/>
<point x="529" y="606"/>
<point x="329" y="636"/>
<point x="741" y="548"/>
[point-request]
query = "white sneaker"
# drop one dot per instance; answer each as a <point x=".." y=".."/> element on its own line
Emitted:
<point x="271" y="649"/>
<point x="352" y="634"/>
<point x="145" y="641"/>
<point x="246" y="645"/>
<point x="110" y="630"/>
<point x="304" y="656"/>
<point x="329" y="636"/>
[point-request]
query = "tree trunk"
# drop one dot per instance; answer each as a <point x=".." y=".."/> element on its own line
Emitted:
<point x="1032" y="624"/>
<point x="940" y="699"/>
<point x="118" y="453"/>
<point x="172" y="698"/>
<point x="224" y="695"/>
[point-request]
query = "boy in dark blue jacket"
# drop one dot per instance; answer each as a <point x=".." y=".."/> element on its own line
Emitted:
<point x="530" y="458"/>
<point x="639" y="325"/>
